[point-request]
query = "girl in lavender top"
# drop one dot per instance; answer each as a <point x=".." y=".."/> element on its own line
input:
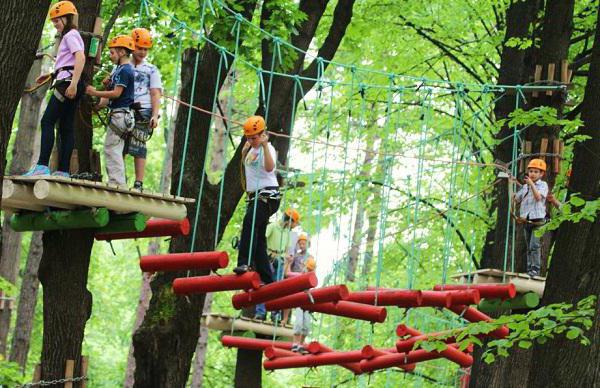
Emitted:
<point x="68" y="88"/>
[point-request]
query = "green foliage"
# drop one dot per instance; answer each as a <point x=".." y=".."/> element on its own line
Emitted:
<point x="7" y="287"/>
<point x="10" y="373"/>
<point x="542" y="116"/>
<point x="574" y="210"/>
<point x="537" y="326"/>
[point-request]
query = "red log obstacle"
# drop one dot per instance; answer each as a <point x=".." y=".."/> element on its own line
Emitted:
<point x="312" y="360"/>
<point x="273" y="352"/>
<point x="370" y="352"/>
<point x="496" y="291"/>
<point x="275" y="290"/>
<point x="398" y="359"/>
<point x="316" y="347"/>
<point x="464" y="297"/>
<point x="403" y="330"/>
<point x="215" y="283"/>
<point x="184" y="261"/>
<point x="318" y="295"/>
<point x="436" y="299"/>
<point x="400" y="298"/>
<point x="450" y="352"/>
<point x="155" y="227"/>
<point x="474" y="315"/>
<point x="350" y="310"/>
<point x="253" y="343"/>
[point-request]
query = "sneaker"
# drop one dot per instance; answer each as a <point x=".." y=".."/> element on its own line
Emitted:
<point x="295" y="348"/>
<point x="38" y="169"/>
<point x="241" y="269"/>
<point x="61" y="173"/>
<point x="138" y="185"/>
<point x="533" y="274"/>
<point x="275" y="316"/>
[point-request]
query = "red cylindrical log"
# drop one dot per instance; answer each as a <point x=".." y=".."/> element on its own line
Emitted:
<point x="400" y="298"/>
<point x="253" y="343"/>
<point x="369" y="351"/>
<point x="501" y="291"/>
<point x="398" y="359"/>
<point x="214" y="283"/>
<point x="351" y="310"/>
<point x="466" y="297"/>
<point x="474" y="315"/>
<point x="319" y="295"/>
<point x="436" y="299"/>
<point x="329" y="358"/>
<point x="403" y="330"/>
<point x="275" y="290"/>
<point x="184" y="261"/>
<point x="316" y="347"/>
<point x="273" y="352"/>
<point x="155" y="227"/>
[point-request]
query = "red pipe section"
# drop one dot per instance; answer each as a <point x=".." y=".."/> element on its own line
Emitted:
<point x="466" y="297"/>
<point x="474" y="315"/>
<point x="496" y="291"/>
<point x="275" y="290"/>
<point x="350" y="310"/>
<point x="155" y="227"/>
<point x="272" y="352"/>
<point x="231" y="341"/>
<point x="184" y="261"/>
<point x="214" y="283"/>
<point x="312" y="360"/>
<point x="370" y="352"/>
<point x="400" y="298"/>
<point x="403" y="330"/>
<point x="398" y="359"/>
<point x="436" y="299"/>
<point x="316" y="347"/>
<point x="319" y="295"/>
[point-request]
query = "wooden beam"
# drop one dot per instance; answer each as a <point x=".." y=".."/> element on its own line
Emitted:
<point x="537" y="75"/>
<point x="551" y="69"/>
<point x="228" y="324"/>
<point x="556" y="158"/>
<point x="23" y="193"/>
<point x="84" y="370"/>
<point x="564" y="71"/>
<point x="69" y="370"/>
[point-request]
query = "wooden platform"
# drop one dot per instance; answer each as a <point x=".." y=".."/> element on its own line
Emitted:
<point x="41" y="192"/>
<point x="227" y="323"/>
<point x="523" y="282"/>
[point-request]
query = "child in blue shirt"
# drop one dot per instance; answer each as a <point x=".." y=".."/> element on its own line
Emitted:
<point x="118" y="97"/>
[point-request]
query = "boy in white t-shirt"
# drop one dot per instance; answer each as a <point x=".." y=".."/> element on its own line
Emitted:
<point x="263" y="197"/>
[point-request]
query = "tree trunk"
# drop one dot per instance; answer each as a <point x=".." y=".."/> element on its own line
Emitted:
<point x="27" y="144"/>
<point x="153" y="249"/>
<point x="21" y="25"/>
<point x="202" y="347"/>
<point x="556" y="35"/>
<point x="575" y="273"/>
<point x="65" y="261"/>
<point x="27" y="301"/>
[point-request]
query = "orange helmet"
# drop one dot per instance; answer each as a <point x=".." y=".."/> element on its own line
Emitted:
<point x="303" y="236"/>
<point x="537" y="163"/>
<point x="293" y="214"/>
<point x="254" y="125"/>
<point x="142" y="38"/>
<point x="62" y="8"/>
<point x="123" y="41"/>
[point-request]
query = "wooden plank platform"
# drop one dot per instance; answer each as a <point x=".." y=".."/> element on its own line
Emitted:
<point x="40" y="192"/>
<point x="222" y="322"/>
<point x="523" y="282"/>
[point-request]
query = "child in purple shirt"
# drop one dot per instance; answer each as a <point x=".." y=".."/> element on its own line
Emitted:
<point x="68" y="88"/>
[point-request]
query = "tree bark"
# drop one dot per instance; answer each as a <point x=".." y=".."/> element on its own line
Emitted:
<point x="30" y="284"/>
<point x="202" y="347"/>
<point x="27" y="143"/>
<point x="575" y="273"/>
<point x="21" y="25"/>
<point x="65" y="261"/>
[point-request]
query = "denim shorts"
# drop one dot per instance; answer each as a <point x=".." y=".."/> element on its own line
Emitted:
<point x="140" y="134"/>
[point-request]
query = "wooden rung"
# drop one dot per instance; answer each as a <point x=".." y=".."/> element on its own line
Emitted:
<point x="69" y="370"/>
<point x="556" y="157"/>
<point x="543" y="147"/>
<point x="536" y="77"/>
<point x="84" y="370"/>
<point x="37" y="373"/>
<point x="526" y="151"/>
<point x="569" y="75"/>
<point x="564" y="71"/>
<point x="74" y="165"/>
<point x="551" y="69"/>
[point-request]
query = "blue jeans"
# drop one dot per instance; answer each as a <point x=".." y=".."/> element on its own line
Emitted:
<point x="261" y="309"/>
<point x="534" y="248"/>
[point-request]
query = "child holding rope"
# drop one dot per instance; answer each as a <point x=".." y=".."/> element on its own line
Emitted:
<point x="532" y="197"/>
<point x="119" y="98"/>
<point x="262" y="195"/>
<point x="68" y="88"/>
<point x="148" y="91"/>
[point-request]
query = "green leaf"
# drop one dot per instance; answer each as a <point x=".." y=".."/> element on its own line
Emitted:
<point x="489" y="358"/>
<point x="573" y="333"/>
<point x="524" y="344"/>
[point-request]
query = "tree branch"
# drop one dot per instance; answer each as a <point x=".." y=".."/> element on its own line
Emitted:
<point x="111" y="22"/>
